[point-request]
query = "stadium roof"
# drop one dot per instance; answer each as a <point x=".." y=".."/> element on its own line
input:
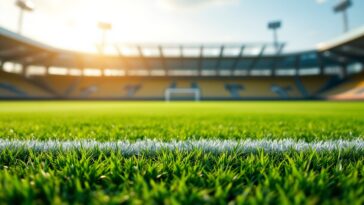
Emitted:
<point x="348" y="49"/>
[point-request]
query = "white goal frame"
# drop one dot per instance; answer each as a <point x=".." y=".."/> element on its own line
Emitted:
<point x="195" y="91"/>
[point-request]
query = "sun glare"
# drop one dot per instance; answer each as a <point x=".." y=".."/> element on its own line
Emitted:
<point x="83" y="33"/>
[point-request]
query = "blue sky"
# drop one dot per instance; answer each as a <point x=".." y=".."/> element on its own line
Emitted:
<point x="72" y="24"/>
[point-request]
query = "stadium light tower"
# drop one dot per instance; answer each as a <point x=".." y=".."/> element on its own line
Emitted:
<point x="342" y="7"/>
<point x="23" y="5"/>
<point x="104" y="27"/>
<point x="275" y="25"/>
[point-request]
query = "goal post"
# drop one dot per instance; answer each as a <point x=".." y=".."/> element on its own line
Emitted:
<point x="193" y="91"/>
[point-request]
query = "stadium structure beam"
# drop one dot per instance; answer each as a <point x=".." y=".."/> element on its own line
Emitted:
<point x="297" y="64"/>
<point x="334" y="58"/>
<point x="320" y="63"/>
<point x="31" y="59"/>
<point x="221" y="55"/>
<point x="200" y="59"/>
<point x="238" y="58"/>
<point x="37" y="58"/>
<point x="339" y="60"/>
<point x="122" y="59"/>
<point x="143" y="59"/>
<point x="355" y="50"/>
<point x="47" y="62"/>
<point x="25" y="67"/>
<point x="12" y="51"/>
<point x="17" y="58"/>
<point x="181" y="57"/>
<point x="163" y="59"/>
<point x="181" y="51"/>
<point x="361" y="47"/>
<point x="257" y="59"/>
<point x="80" y="62"/>
<point x="5" y="46"/>
<point x="344" y="70"/>
<point x="348" y="56"/>
<point x="280" y="49"/>
<point x="276" y="59"/>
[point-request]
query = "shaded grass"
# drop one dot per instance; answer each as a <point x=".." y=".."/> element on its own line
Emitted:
<point x="171" y="177"/>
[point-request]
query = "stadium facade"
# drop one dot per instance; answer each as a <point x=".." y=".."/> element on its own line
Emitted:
<point x="32" y="70"/>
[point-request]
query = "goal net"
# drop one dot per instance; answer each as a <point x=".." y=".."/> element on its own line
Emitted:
<point x="182" y="93"/>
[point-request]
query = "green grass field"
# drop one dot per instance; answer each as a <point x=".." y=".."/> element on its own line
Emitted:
<point x="180" y="177"/>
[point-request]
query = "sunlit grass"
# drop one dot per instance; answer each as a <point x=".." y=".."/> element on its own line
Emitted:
<point x="108" y="121"/>
<point x="172" y="177"/>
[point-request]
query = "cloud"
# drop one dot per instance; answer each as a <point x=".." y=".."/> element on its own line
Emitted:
<point x="183" y="4"/>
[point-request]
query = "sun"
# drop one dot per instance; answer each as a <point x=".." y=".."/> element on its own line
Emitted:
<point x="82" y="32"/>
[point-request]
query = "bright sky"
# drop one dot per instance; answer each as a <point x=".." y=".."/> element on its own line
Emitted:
<point x="72" y="24"/>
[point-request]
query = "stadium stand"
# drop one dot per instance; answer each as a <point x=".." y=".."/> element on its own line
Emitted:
<point x="261" y="88"/>
<point x="227" y="72"/>
<point x="17" y="86"/>
<point x="94" y="87"/>
<point x="152" y="89"/>
<point x="351" y="89"/>
<point x="312" y="85"/>
<point x="60" y="86"/>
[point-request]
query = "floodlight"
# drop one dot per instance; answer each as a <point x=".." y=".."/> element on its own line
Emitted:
<point x="23" y="5"/>
<point x="275" y="25"/>
<point x="342" y="7"/>
<point x="104" y="27"/>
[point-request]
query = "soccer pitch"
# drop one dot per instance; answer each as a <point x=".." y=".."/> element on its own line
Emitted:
<point x="182" y="152"/>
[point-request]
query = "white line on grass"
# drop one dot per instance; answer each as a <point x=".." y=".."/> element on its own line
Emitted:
<point x="214" y="146"/>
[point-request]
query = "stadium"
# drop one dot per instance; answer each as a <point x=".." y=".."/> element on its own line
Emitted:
<point x="206" y="72"/>
<point x="180" y="123"/>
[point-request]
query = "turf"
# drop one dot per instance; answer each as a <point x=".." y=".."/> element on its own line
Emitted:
<point x="107" y="121"/>
<point x="180" y="177"/>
